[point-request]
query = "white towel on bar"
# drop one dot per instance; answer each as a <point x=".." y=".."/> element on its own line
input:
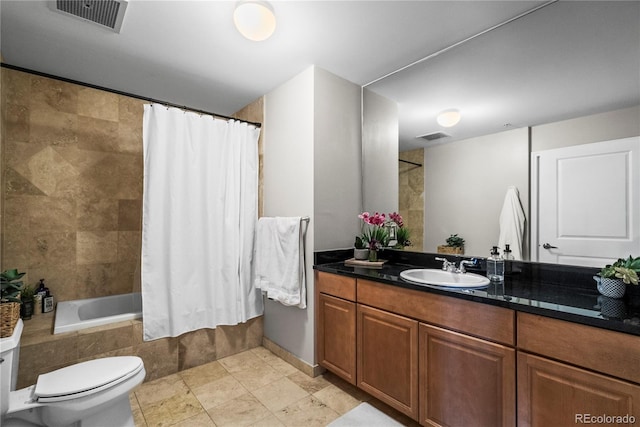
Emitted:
<point x="279" y="260"/>
<point x="512" y="220"/>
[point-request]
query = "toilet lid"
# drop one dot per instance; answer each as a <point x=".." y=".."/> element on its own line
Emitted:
<point x="86" y="377"/>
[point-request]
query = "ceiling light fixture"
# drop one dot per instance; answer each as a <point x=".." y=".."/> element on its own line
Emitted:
<point x="254" y="19"/>
<point x="449" y="118"/>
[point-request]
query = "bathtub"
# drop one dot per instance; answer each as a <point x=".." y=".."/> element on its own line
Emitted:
<point x="90" y="312"/>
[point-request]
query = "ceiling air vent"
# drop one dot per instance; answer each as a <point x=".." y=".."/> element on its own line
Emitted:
<point x="434" y="136"/>
<point x="107" y="13"/>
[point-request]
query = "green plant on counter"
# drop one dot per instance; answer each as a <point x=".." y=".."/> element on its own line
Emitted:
<point x="11" y="285"/>
<point x="455" y="241"/>
<point x="403" y="236"/>
<point x="27" y="293"/>
<point x="359" y="243"/>
<point x="626" y="269"/>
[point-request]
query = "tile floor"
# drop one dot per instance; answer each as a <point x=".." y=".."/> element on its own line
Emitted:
<point x="253" y="388"/>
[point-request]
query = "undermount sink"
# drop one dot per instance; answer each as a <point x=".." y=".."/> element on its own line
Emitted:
<point x="429" y="276"/>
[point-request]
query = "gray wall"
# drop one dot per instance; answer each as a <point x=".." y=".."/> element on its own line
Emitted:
<point x="379" y="153"/>
<point x="311" y="167"/>
<point x="465" y="185"/>
<point x="584" y="130"/>
<point x="337" y="161"/>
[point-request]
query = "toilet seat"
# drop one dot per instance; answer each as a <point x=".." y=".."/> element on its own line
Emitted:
<point x="86" y="378"/>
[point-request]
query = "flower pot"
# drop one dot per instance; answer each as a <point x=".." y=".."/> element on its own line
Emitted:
<point x="361" y="254"/>
<point x="451" y="250"/>
<point x="612" y="308"/>
<point x="26" y="309"/>
<point x="373" y="255"/>
<point x="9" y="316"/>
<point x="612" y="288"/>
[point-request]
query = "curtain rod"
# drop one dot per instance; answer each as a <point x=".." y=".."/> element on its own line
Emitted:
<point x="131" y="95"/>
<point x="411" y="163"/>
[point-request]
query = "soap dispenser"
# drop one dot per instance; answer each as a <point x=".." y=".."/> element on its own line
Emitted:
<point x="508" y="257"/>
<point x="41" y="292"/>
<point x="495" y="266"/>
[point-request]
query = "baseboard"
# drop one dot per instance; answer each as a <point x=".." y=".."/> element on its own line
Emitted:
<point x="310" y="370"/>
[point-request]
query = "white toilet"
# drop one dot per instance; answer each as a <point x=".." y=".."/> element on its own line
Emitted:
<point x="93" y="393"/>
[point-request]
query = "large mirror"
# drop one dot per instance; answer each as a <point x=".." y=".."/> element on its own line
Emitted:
<point x="565" y="74"/>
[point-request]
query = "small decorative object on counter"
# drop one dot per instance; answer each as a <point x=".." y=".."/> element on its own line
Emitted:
<point x="454" y="246"/>
<point x="506" y="254"/>
<point x="41" y="292"/>
<point x="611" y="308"/>
<point x="47" y="303"/>
<point x="401" y="232"/>
<point x="495" y="266"/>
<point x="9" y="301"/>
<point x="360" y="250"/>
<point x="612" y="288"/>
<point x="613" y="278"/>
<point x="37" y="304"/>
<point x="508" y="257"/>
<point x="27" y="302"/>
<point x="374" y="233"/>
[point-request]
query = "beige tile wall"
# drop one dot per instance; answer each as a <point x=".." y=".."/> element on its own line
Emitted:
<point x="71" y="198"/>
<point x="254" y="112"/>
<point x="72" y="170"/>
<point x="42" y="352"/>
<point x="411" y="196"/>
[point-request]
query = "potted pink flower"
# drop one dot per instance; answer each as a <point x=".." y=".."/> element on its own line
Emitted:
<point x="374" y="234"/>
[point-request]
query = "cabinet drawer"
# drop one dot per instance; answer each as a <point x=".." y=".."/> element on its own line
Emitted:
<point x="336" y="336"/>
<point x="465" y="381"/>
<point x="387" y="355"/>
<point x="481" y="320"/>
<point x="336" y="285"/>
<point x="554" y="394"/>
<point x="613" y="353"/>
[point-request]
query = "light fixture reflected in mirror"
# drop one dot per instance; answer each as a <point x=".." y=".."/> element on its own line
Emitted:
<point x="449" y="118"/>
<point x="254" y="19"/>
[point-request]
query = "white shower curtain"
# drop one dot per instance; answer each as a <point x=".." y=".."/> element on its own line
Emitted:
<point x="198" y="222"/>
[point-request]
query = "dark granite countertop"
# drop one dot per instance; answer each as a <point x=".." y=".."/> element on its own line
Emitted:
<point x="562" y="292"/>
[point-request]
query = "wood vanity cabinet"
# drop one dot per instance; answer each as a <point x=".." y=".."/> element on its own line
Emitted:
<point x="336" y="324"/>
<point x="446" y="361"/>
<point x="465" y="381"/>
<point x="462" y="380"/>
<point x="577" y="371"/>
<point x="388" y="358"/>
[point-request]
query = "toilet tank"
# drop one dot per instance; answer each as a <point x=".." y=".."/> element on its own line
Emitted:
<point x="9" y="357"/>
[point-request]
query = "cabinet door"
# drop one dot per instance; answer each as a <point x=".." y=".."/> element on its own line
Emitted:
<point x="388" y="358"/>
<point x="554" y="394"/>
<point x="465" y="381"/>
<point x="336" y="337"/>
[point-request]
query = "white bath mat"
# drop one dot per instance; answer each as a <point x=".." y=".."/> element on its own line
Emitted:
<point x="365" y="415"/>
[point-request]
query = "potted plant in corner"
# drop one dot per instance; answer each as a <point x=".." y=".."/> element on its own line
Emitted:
<point x="454" y="246"/>
<point x="360" y="251"/>
<point x="10" y="287"/>
<point x="613" y="278"/>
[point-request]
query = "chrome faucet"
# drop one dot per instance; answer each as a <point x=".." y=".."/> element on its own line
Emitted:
<point x="472" y="262"/>
<point x="447" y="265"/>
<point x="451" y="266"/>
